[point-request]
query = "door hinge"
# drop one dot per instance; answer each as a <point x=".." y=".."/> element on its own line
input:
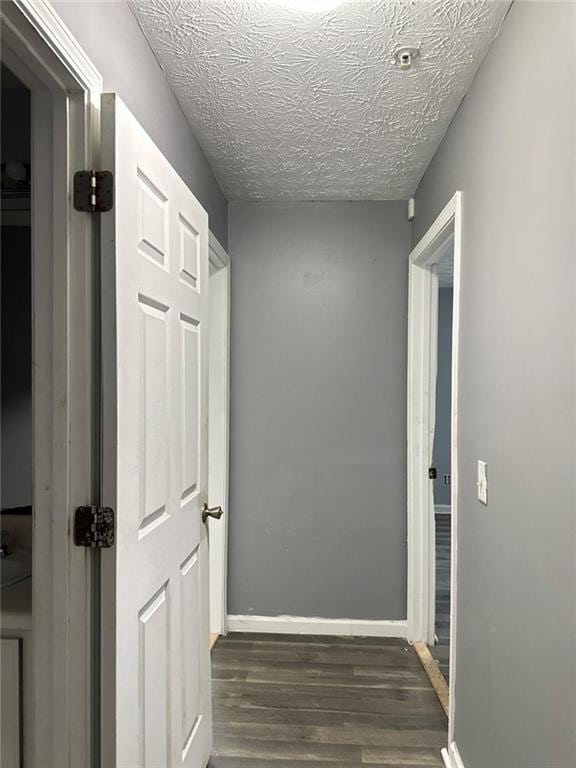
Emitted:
<point x="432" y="473"/>
<point x="93" y="191"/>
<point x="94" y="527"/>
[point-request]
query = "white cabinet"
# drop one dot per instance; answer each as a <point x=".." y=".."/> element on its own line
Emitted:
<point x="16" y="669"/>
<point x="11" y="703"/>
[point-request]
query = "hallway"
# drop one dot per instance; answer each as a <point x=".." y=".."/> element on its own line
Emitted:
<point x="298" y="700"/>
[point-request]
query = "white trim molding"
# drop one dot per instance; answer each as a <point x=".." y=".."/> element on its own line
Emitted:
<point x="218" y="256"/>
<point x="219" y="430"/>
<point x="65" y="91"/>
<point x="46" y="22"/>
<point x="422" y="350"/>
<point x="305" y="625"/>
<point x="422" y="343"/>
<point x="451" y="757"/>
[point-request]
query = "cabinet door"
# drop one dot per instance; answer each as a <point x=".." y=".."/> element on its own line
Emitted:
<point x="11" y="704"/>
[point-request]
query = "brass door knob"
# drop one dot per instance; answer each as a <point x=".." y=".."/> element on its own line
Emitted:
<point x="215" y="512"/>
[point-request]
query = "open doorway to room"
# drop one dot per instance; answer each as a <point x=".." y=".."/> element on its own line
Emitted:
<point x="434" y="277"/>
<point x="47" y="392"/>
<point x="442" y="461"/>
<point x="17" y="424"/>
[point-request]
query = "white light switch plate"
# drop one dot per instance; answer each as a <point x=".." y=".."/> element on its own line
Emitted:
<point x="482" y="482"/>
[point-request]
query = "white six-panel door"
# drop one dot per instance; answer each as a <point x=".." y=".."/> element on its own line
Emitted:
<point x="156" y="668"/>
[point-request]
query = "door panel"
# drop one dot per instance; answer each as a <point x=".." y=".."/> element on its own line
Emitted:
<point x="190" y="353"/>
<point x="191" y="681"/>
<point x="156" y="675"/>
<point x="189" y="252"/>
<point x="154" y="411"/>
<point x="154" y="654"/>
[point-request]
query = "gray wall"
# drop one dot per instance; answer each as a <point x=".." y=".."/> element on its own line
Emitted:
<point x="442" y="435"/>
<point x="318" y="409"/>
<point x="112" y="38"/>
<point x="511" y="150"/>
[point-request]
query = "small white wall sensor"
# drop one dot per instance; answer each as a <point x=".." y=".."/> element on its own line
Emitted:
<point x="411" y="209"/>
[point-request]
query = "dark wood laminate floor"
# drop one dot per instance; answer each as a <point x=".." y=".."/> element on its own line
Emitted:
<point x="293" y="701"/>
<point x="441" y="651"/>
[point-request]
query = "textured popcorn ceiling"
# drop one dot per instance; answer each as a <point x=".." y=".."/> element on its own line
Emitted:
<point x="293" y="104"/>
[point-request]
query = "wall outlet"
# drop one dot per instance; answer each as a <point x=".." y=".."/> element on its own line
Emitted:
<point x="447" y="479"/>
<point x="482" y="482"/>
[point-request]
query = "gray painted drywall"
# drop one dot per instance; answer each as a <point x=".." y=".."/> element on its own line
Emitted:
<point x="442" y="434"/>
<point x="511" y="150"/>
<point x="112" y="38"/>
<point x="318" y="409"/>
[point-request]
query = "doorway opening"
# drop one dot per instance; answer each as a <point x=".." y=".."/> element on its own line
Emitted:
<point x="47" y="392"/>
<point x="17" y="424"/>
<point x="432" y="581"/>
<point x="442" y="461"/>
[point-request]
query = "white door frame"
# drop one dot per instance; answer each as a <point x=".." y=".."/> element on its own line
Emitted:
<point x="422" y="350"/>
<point x="218" y="441"/>
<point x="65" y="89"/>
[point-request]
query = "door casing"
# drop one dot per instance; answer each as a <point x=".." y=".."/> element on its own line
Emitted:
<point x="218" y="440"/>
<point x="422" y="350"/>
<point x="65" y="90"/>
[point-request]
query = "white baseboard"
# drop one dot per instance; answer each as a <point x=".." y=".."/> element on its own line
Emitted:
<point x="451" y="757"/>
<point x="303" y="625"/>
<point x="443" y="509"/>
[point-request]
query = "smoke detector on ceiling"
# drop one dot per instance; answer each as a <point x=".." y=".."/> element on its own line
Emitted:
<point x="405" y="57"/>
